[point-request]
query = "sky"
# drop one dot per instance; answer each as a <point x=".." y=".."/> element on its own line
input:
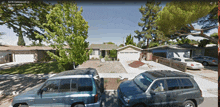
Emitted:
<point x="108" y="22"/>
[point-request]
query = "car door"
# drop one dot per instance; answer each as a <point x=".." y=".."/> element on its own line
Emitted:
<point x="61" y="100"/>
<point x="46" y="99"/>
<point x="174" y="93"/>
<point x="158" y="98"/>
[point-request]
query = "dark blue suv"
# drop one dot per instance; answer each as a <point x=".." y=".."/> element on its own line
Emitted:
<point x="74" y="88"/>
<point x="160" y="88"/>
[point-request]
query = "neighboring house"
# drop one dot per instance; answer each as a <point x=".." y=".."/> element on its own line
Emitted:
<point x="101" y="49"/>
<point x="180" y="50"/>
<point x="9" y="53"/>
<point x="128" y="52"/>
<point x="211" y="51"/>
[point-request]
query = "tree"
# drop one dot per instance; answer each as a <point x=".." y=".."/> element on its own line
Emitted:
<point x="20" y="39"/>
<point x="108" y="43"/>
<point x="177" y="18"/>
<point x="68" y="29"/>
<point x="121" y="45"/>
<point x="203" y="43"/>
<point x="149" y="27"/>
<point x="113" y="53"/>
<point x="25" y="19"/>
<point x="129" y="40"/>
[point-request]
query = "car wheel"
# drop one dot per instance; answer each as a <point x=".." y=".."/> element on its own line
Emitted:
<point x="205" y="63"/>
<point x="188" y="103"/>
<point x="140" y="105"/>
<point x="79" y="105"/>
<point x="23" y="105"/>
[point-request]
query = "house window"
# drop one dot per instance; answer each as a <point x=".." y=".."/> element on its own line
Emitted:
<point x="93" y="52"/>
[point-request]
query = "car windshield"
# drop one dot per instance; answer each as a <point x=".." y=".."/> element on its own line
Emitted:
<point x="189" y="60"/>
<point x="142" y="82"/>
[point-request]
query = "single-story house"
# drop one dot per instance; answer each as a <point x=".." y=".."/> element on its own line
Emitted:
<point x="9" y="53"/>
<point x="129" y="52"/>
<point x="101" y="49"/>
<point x="180" y="50"/>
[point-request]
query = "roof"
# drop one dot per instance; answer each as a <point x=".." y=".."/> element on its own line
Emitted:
<point x="18" y="48"/>
<point x="129" y="46"/>
<point x="79" y="71"/>
<point x="103" y="46"/>
<point x="176" y="47"/>
<point x="165" y="73"/>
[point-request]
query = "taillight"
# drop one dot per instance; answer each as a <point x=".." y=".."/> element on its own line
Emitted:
<point x="192" y="65"/>
<point x="96" y="98"/>
<point x="213" y="60"/>
<point x="201" y="93"/>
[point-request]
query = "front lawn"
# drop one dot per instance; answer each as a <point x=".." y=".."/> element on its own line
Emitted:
<point x="33" y="68"/>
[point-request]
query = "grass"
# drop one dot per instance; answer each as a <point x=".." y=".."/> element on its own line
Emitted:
<point x="33" y="68"/>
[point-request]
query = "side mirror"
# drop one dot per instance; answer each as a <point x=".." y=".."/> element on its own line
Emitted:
<point x="152" y="92"/>
<point x="41" y="91"/>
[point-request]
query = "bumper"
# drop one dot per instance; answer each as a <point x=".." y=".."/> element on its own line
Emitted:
<point x="10" y="106"/>
<point x="195" y="67"/>
<point x="199" y="100"/>
<point x="97" y="104"/>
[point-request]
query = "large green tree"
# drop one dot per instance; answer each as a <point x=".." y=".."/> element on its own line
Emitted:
<point x="108" y="43"/>
<point x="26" y="18"/>
<point x="177" y="18"/>
<point x="129" y="40"/>
<point x="68" y="29"/>
<point x="149" y="30"/>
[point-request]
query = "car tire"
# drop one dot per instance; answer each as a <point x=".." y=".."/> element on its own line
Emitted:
<point x="205" y="63"/>
<point x="79" y="105"/>
<point x="140" y="105"/>
<point x="188" y="103"/>
<point x="23" y="105"/>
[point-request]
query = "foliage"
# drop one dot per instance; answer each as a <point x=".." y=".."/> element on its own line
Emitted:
<point x="203" y="43"/>
<point x="34" y="43"/>
<point x="108" y="43"/>
<point x="121" y="45"/>
<point x="214" y="35"/>
<point x="25" y="19"/>
<point x="176" y="18"/>
<point x="68" y="28"/>
<point x="113" y="53"/>
<point x="107" y="58"/>
<point x="100" y="56"/>
<point x="20" y="40"/>
<point x="149" y="28"/>
<point x="153" y="44"/>
<point x="130" y="41"/>
<point x="183" y="41"/>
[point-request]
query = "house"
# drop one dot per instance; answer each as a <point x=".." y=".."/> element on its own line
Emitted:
<point x="9" y="53"/>
<point x="101" y="49"/>
<point x="179" y="50"/>
<point x="129" y="52"/>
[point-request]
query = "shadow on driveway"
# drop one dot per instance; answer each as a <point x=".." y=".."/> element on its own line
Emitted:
<point x="211" y="67"/>
<point x="110" y="99"/>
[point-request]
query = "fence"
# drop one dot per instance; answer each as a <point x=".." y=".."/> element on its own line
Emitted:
<point x="171" y="63"/>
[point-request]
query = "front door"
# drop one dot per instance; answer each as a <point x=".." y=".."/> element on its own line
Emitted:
<point x="158" y="98"/>
<point x="47" y="98"/>
<point x="103" y="53"/>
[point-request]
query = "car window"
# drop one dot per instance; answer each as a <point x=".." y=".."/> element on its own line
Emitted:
<point x="74" y="85"/>
<point x="158" y="86"/>
<point x="85" y="84"/>
<point x="142" y="81"/>
<point x="186" y="83"/>
<point x="172" y="84"/>
<point x="51" y="86"/>
<point x="64" y="85"/>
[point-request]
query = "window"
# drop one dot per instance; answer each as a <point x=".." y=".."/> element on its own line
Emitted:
<point x="85" y="84"/>
<point x="186" y="83"/>
<point x="74" y="85"/>
<point x="51" y="86"/>
<point x="65" y="85"/>
<point x="142" y="81"/>
<point x="158" y="86"/>
<point x="172" y="84"/>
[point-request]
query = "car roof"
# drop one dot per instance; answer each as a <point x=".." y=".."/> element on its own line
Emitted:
<point x="78" y="71"/>
<point x="165" y="73"/>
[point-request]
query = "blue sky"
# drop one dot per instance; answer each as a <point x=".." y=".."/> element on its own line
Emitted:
<point x="108" y="21"/>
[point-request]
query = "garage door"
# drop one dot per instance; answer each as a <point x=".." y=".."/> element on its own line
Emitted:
<point x="126" y="56"/>
<point x="24" y="57"/>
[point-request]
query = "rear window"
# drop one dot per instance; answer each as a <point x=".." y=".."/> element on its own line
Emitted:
<point x="84" y="84"/>
<point x="186" y="83"/>
<point x="172" y="84"/>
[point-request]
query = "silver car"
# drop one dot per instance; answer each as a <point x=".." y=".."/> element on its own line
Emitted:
<point x="74" y="88"/>
<point x="206" y="60"/>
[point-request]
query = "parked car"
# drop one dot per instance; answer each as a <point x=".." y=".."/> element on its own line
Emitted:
<point x="74" y="88"/>
<point x="160" y="88"/>
<point x="206" y="60"/>
<point x="189" y="63"/>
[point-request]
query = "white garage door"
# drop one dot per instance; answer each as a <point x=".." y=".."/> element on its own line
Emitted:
<point x="127" y="56"/>
<point x="24" y="57"/>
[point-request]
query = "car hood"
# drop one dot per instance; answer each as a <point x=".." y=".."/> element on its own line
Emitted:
<point x="130" y="88"/>
<point x="27" y="94"/>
